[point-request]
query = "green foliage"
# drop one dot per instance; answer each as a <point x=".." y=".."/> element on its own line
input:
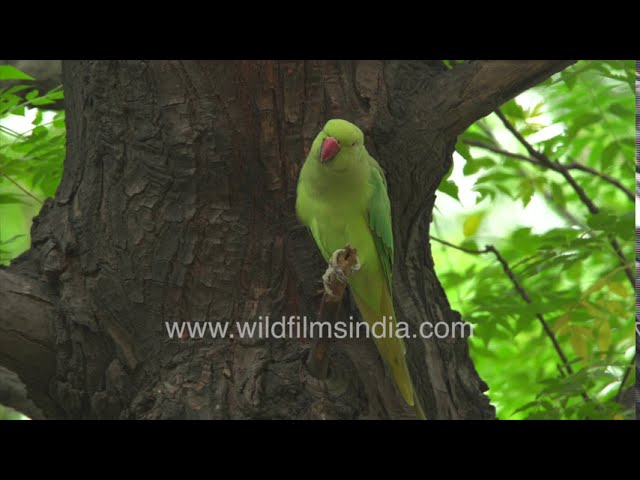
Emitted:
<point x="9" y="72"/>
<point x="30" y="161"/>
<point x="584" y="114"/>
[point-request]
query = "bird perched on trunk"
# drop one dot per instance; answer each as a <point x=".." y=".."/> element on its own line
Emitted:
<point x="342" y="198"/>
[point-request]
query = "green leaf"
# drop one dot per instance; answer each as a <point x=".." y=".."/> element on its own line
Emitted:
<point x="463" y="149"/>
<point x="621" y="226"/>
<point x="602" y="221"/>
<point x="624" y="227"/>
<point x="604" y="336"/>
<point x="32" y="94"/>
<point x="38" y="118"/>
<point x="621" y="110"/>
<point x="13" y="90"/>
<point x="8" y="72"/>
<point x="527" y="406"/>
<point x="40" y="101"/>
<point x="581" y="122"/>
<point x="58" y="120"/>
<point x="40" y="131"/>
<point x="568" y="78"/>
<point x="477" y="135"/>
<point x="557" y="195"/>
<point x="475" y="164"/>
<point x="12" y="198"/>
<point x="471" y="224"/>
<point x="513" y="111"/>
<point x="485" y="192"/>
<point x="609" y="153"/>
<point x="526" y="190"/>
<point x="449" y="188"/>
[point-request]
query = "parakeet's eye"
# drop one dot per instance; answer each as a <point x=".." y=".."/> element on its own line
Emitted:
<point x="353" y="144"/>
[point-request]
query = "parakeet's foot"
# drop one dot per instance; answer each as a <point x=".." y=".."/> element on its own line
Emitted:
<point x="342" y="263"/>
<point x="334" y="280"/>
<point x="326" y="280"/>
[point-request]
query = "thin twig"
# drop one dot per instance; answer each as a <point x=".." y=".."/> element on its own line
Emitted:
<point x="500" y="151"/>
<point x="457" y="247"/>
<point x="24" y="190"/>
<point x="524" y="295"/>
<point x="554" y="165"/>
<point x="343" y="261"/>
<point x="11" y="132"/>
<point x="607" y="178"/>
<point x="564" y="171"/>
<point x="627" y="372"/>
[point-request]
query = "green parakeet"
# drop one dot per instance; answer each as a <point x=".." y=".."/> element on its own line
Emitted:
<point x="342" y="198"/>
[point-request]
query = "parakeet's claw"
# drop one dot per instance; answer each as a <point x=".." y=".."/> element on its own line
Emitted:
<point x="342" y="263"/>
<point x="342" y="278"/>
<point x="334" y="257"/>
<point x="334" y="263"/>
<point x="326" y="280"/>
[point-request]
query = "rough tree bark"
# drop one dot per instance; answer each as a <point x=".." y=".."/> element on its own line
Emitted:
<point x="177" y="203"/>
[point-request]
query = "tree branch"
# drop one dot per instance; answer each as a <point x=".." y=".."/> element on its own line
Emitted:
<point x="627" y="372"/>
<point x="457" y="247"/>
<point x="607" y="178"/>
<point x="342" y="263"/>
<point x="521" y="291"/>
<point x="500" y="151"/>
<point x="584" y="198"/>
<point x="20" y="187"/>
<point x="555" y="166"/>
<point x="26" y="337"/>
<point x="474" y="89"/>
<point x="525" y="296"/>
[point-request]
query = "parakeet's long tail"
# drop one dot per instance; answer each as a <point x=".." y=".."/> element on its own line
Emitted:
<point x="392" y="348"/>
<point x="418" y="407"/>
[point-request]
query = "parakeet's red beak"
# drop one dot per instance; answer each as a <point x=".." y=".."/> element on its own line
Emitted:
<point x="330" y="147"/>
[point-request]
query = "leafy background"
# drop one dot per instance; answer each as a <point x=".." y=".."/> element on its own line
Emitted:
<point x="558" y="251"/>
<point x="498" y="194"/>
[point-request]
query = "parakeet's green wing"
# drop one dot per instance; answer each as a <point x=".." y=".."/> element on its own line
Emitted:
<point x="380" y="224"/>
<point x="380" y="219"/>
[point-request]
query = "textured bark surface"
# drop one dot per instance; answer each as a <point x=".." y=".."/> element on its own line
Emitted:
<point x="177" y="204"/>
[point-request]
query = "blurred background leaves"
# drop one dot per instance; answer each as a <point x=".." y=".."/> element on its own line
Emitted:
<point x="514" y="193"/>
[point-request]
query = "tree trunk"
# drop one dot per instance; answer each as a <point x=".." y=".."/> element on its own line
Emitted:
<point x="177" y="204"/>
